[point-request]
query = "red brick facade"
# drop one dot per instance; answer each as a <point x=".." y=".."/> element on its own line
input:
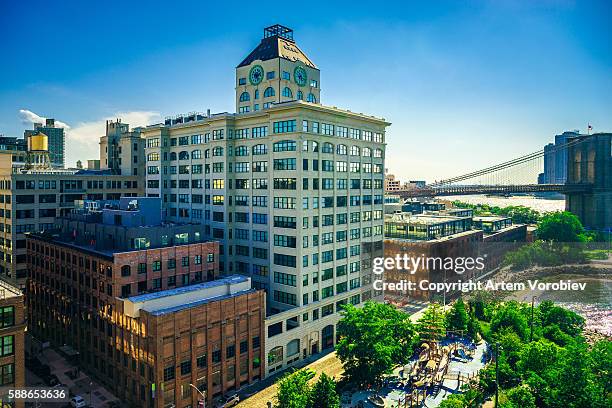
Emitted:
<point x="74" y="298"/>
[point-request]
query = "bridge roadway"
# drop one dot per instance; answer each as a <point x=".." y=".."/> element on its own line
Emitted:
<point x="433" y="191"/>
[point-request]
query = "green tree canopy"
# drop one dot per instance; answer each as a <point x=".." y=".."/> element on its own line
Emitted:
<point x="457" y="318"/>
<point x="569" y="322"/>
<point x="511" y="316"/>
<point x="373" y="339"/>
<point x="431" y="325"/>
<point x="294" y="390"/>
<point x="324" y="394"/>
<point x="561" y="226"/>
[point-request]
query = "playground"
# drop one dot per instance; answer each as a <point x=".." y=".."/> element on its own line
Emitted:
<point x="439" y="369"/>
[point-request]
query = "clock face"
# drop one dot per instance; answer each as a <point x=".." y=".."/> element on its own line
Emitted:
<point x="256" y="75"/>
<point x="300" y="76"/>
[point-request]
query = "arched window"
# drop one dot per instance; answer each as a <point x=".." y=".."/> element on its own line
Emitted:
<point x="312" y="98"/>
<point x="196" y="154"/>
<point x="257" y="94"/>
<point x="218" y="151"/>
<point x="300" y="95"/>
<point x="260" y="149"/>
<point x="172" y="155"/>
<point x="126" y="270"/>
<point x="153" y="156"/>
<point x="207" y="153"/>
<point x="366" y="152"/>
<point x="378" y="153"/>
<point x="275" y="355"/>
<point x="269" y="92"/>
<point x="327" y="148"/>
<point x="341" y="149"/>
<point x="245" y="97"/>
<point x="355" y="151"/>
<point x="287" y="93"/>
<point x="284" y="146"/>
<point x="184" y="155"/>
<point x="293" y="348"/>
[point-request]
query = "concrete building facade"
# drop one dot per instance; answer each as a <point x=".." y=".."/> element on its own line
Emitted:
<point x="121" y="150"/>
<point x="293" y="191"/>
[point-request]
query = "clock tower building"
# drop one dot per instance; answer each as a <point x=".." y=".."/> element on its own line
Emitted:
<point x="276" y="71"/>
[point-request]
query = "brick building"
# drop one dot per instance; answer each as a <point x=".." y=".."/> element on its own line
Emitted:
<point x="136" y="298"/>
<point x="12" y="333"/>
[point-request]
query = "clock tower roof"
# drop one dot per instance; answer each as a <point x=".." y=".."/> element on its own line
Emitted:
<point x="277" y="43"/>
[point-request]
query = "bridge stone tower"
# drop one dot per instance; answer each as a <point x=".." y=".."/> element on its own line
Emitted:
<point x="590" y="162"/>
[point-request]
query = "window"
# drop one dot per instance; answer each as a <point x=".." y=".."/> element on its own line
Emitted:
<point x="287" y="92"/>
<point x="327" y="129"/>
<point x="261" y="131"/>
<point x="286" y="75"/>
<point x="284" y="164"/>
<point x="245" y="97"/>
<point x="260" y="149"/>
<point x="269" y="92"/>
<point x="241" y="151"/>
<point x="284" y="145"/>
<point x="7" y="374"/>
<point x="284" y="278"/>
<point x="284" y="126"/>
<point x="169" y="373"/>
<point x="284" y="297"/>
<point x="300" y="95"/>
<point x="284" y="260"/>
<point x="284" y="202"/>
<point x="327" y="147"/>
<point x="311" y="98"/>
<point x="7" y="345"/>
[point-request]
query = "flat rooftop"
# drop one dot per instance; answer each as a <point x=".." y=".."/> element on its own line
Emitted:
<point x="185" y="297"/>
<point x="490" y="218"/>
<point x="421" y="219"/>
<point x="8" y="291"/>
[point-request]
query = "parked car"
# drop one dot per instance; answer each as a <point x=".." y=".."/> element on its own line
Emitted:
<point x="230" y="401"/>
<point x="77" y="402"/>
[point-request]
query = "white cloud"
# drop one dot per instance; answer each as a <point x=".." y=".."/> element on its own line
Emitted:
<point x="28" y="118"/>
<point x="82" y="138"/>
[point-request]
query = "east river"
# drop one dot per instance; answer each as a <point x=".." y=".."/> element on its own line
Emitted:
<point x="594" y="303"/>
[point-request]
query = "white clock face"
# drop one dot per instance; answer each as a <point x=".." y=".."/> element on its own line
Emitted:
<point x="256" y="75"/>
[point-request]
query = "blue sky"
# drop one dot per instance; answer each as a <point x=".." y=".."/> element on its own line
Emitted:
<point x="465" y="84"/>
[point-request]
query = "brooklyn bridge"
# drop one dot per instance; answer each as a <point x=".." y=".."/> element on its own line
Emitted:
<point x="587" y="190"/>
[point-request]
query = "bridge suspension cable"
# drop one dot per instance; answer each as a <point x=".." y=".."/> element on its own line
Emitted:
<point x="521" y="170"/>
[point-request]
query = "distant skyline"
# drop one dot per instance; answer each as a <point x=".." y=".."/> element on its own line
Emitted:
<point x="465" y="84"/>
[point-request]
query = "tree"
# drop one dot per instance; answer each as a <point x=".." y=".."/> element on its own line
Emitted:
<point x="521" y="397"/>
<point x="537" y="357"/>
<point x="601" y="358"/>
<point x="294" y="390"/>
<point x="457" y="319"/>
<point x="509" y="315"/>
<point x="430" y="326"/>
<point x="453" y="401"/>
<point x="373" y="339"/>
<point x="569" y="322"/>
<point x="561" y="226"/>
<point x="324" y="394"/>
